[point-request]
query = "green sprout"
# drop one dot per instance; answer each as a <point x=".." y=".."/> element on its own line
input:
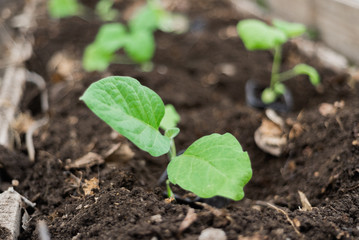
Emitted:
<point x="105" y="11"/>
<point x="214" y="165"/>
<point x="136" y="39"/>
<point x="64" y="8"/>
<point x="257" y="35"/>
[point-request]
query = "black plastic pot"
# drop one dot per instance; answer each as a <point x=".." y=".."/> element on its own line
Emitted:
<point x="254" y="93"/>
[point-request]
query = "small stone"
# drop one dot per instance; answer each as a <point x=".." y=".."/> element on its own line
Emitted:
<point x="15" y="183"/>
<point x="212" y="234"/>
<point x="156" y="218"/>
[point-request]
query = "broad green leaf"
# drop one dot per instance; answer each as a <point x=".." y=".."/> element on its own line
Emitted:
<point x="290" y="29"/>
<point x="111" y="37"/>
<point x="141" y="46"/>
<point x="268" y="96"/>
<point x="171" y="117"/>
<point x="214" y="165"/>
<point x="63" y="8"/>
<point x="172" y="132"/>
<point x="133" y="110"/>
<point x="308" y="70"/>
<point x="257" y="35"/>
<point x="96" y="58"/>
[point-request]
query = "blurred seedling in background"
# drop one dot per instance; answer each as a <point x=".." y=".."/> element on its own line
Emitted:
<point x="214" y="165"/>
<point x="136" y="38"/>
<point x="67" y="8"/>
<point x="257" y="35"/>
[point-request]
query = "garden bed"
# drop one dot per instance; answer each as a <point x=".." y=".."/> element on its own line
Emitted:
<point x="203" y="74"/>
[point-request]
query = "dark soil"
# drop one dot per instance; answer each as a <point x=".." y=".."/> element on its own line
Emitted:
<point x="322" y="161"/>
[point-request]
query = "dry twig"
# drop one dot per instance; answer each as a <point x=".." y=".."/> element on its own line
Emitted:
<point x="267" y="204"/>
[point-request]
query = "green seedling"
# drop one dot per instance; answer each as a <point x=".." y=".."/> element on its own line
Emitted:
<point x="105" y="11"/>
<point x="257" y="35"/>
<point x="136" y="39"/>
<point x="64" y="8"/>
<point x="214" y="165"/>
<point x="68" y="8"/>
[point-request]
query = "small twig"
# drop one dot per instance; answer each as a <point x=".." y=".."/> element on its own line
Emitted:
<point x="29" y="142"/>
<point x="281" y="211"/>
<point x="41" y="84"/>
<point x="339" y="121"/>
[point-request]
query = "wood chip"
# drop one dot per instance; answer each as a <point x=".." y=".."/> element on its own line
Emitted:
<point x="306" y="206"/>
<point x="89" y="160"/>
<point x="188" y="220"/>
<point x="89" y="186"/>
<point x="10" y="214"/>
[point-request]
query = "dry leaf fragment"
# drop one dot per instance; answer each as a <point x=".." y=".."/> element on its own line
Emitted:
<point x="22" y="123"/>
<point x="62" y="66"/>
<point x="296" y="130"/>
<point x="89" y="186"/>
<point x="270" y="137"/>
<point x="306" y="206"/>
<point x="191" y="216"/>
<point x="118" y="154"/>
<point x="89" y="160"/>
<point x="327" y="109"/>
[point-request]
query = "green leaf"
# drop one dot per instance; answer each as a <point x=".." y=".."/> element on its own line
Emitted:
<point x="268" y="96"/>
<point x="214" y="165"/>
<point x="146" y="18"/>
<point x="140" y="46"/>
<point x="308" y="70"/>
<point x="172" y="132"/>
<point x="63" y="8"/>
<point x="131" y="109"/>
<point x="105" y="11"/>
<point x="171" y="117"/>
<point x="257" y="35"/>
<point x="111" y="37"/>
<point x="96" y="58"/>
<point x="290" y="29"/>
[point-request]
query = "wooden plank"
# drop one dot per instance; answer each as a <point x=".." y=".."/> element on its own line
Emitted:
<point x="338" y="21"/>
<point x="302" y="11"/>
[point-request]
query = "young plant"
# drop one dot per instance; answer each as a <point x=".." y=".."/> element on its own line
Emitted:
<point x="136" y="39"/>
<point x="64" y="8"/>
<point x="257" y="35"/>
<point x="68" y="8"/>
<point x="214" y="165"/>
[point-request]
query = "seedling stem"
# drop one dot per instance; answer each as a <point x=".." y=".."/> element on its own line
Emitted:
<point x="276" y="66"/>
